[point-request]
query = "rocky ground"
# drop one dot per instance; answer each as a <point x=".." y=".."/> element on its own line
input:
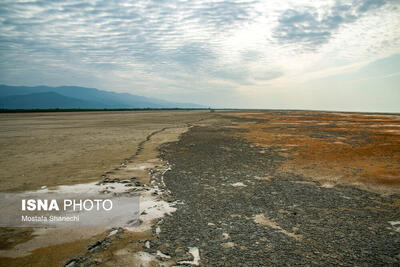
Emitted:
<point x="238" y="210"/>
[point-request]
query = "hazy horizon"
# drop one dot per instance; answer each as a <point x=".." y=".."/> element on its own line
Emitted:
<point x="331" y="55"/>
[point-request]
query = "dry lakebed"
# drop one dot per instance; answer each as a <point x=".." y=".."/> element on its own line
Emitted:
<point x="215" y="188"/>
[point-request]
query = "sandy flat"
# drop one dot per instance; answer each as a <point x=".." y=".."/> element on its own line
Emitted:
<point x="48" y="149"/>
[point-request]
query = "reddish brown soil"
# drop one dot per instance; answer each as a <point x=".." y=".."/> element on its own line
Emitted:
<point x="346" y="148"/>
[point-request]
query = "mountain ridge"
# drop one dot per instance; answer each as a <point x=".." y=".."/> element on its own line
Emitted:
<point x="28" y="97"/>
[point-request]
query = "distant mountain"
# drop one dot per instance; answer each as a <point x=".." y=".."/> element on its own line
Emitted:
<point x="73" y="97"/>
<point x="47" y="100"/>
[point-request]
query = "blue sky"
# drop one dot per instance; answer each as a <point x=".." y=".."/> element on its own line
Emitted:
<point x="331" y="55"/>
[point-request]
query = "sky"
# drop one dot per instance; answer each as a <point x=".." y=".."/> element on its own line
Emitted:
<point x="275" y="54"/>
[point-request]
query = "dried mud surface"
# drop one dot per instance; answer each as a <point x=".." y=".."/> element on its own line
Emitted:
<point x="59" y="148"/>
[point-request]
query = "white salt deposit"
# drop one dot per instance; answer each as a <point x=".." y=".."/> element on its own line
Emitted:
<point x="88" y="188"/>
<point x="196" y="257"/>
<point x="158" y="230"/>
<point x="151" y="207"/>
<point x="395" y="225"/>
<point x="113" y="232"/>
<point x="162" y="255"/>
<point x="144" y="258"/>
<point x="328" y="185"/>
<point x="239" y="184"/>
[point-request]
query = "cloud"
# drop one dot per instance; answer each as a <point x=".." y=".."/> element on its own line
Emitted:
<point x="312" y="27"/>
<point x="151" y="35"/>
<point x="189" y="49"/>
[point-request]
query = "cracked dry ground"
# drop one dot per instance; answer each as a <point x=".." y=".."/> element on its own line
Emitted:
<point x="239" y="209"/>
